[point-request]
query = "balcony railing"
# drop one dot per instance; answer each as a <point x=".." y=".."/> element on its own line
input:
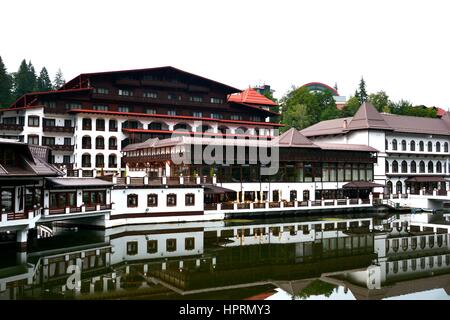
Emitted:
<point x="59" y="129"/>
<point x="61" y="147"/>
<point x="11" y="127"/>
<point x="100" y="146"/>
<point x="113" y="147"/>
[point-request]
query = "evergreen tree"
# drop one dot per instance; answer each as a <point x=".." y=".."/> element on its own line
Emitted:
<point x="5" y="86"/>
<point x="361" y="94"/>
<point x="59" y="80"/>
<point x="335" y="86"/>
<point x="24" y="79"/>
<point x="43" y="81"/>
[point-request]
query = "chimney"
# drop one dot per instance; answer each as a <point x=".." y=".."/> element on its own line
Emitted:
<point x="344" y="124"/>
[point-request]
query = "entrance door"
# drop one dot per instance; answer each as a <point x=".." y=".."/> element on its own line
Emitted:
<point x="305" y="195"/>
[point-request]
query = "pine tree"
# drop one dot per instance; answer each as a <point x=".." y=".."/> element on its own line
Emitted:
<point x="5" y="85"/>
<point x="59" y="80"/>
<point x="362" y="93"/>
<point x="24" y="79"/>
<point x="335" y="86"/>
<point x="43" y="82"/>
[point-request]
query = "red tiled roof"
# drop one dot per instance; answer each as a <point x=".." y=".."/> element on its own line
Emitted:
<point x="440" y="112"/>
<point x="251" y="96"/>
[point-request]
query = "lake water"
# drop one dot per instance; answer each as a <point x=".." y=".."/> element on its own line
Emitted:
<point x="309" y="258"/>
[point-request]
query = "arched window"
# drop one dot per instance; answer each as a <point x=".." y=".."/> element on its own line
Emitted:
<point x="183" y="127"/>
<point x="438" y="147"/>
<point x="413" y="167"/>
<point x="86" y="160"/>
<point x="395" y="166"/>
<point x="86" y="142"/>
<point x="403" y="145"/>
<point x="421" y="146"/>
<point x="430" y="146"/>
<point x="446" y="147"/>
<point x="87" y="124"/>
<point x="205" y="128"/>
<point x="112" y="161"/>
<point x="113" y="125"/>
<point x="99" y="143"/>
<point x="394" y="144"/>
<point x="412" y="145"/>
<point x="132" y="200"/>
<point x="100" y="125"/>
<point x="387" y="166"/>
<point x="242" y="130"/>
<point x="99" y="161"/>
<point x="430" y="167"/>
<point x="422" y="167"/>
<point x="398" y="187"/>
<point x="112" y="143"/>
<point x="386" y="144"/>
<point x="389" y="187"/>
<point x="438" y="167"/>
<point x="224" y="130"/>
<point x="404" y="167"/>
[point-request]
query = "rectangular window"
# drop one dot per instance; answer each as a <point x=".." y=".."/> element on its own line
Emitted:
<point x="73" y="105"/>
<point x="150" y="111"/>
<point x="112" y="125"/>
<point x="132" y="248"/>
<point x="152" y="200"/>
<point x="49" y="122"/>
<point x="171" y="245"/>
<point x="48" y="141"/>
<point x="33" y="139"/>
<point x="100" y="125"/>
<point x="6" y="200"/>
<point x="171" y="200"/>
<point x="171" y="112"/>
<point x="255" y="118"/>
<point x="33" y="121"/>
<point x="150" y="94"/>
<point x="152" y="246"/>
<point x="132" y="200"/>
<point x="87" y="124"/>
<point x="173" y="96"/>
<point x="124" y="109"/>
<point x="216" y="115"/>
<point x="66" y="159"/>
<point x="216" y="100"/>
<point x="50" y="104"/>
<point x="236" y="117"/>
<point x="100" y="108"/>
<point x="190" y="199"/>
<point x="189" y="243"/>
<point x="196" y="99"/>
<point x="67" y="123"/>
<point x="126" y="93"/>
<point x="67" y="141"/>
<point x="10" y="120"/>
<point x="101" y="90"/>
<point x="197" y="114"/>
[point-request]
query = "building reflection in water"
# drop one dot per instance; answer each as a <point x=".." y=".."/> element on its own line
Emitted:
<point x="242" y="260"/>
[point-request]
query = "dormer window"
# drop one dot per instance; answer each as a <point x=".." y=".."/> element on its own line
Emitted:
<point x="216" y="100"/>
<point x="101" y="90"/>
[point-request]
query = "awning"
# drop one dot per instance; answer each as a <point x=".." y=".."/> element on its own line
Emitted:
<point x="78" y="182"/>
<point x="361" y="185"/>
<point x="217" y="190"/>
<point x="425" y="179"/>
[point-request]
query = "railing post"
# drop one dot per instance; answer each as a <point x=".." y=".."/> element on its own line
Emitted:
<point x="97" y="207"/>
<point x="348" y="201"/>
<point x="322" y="202"/>
<point x="434" y="192"/>
<point x="448" y="193"/>
<point x="181" y="179"/>
<point x="127" y="180"/>
<point x="219" y="206"/>
<point x="30" y="215"/>
<point x="67" y="210"/>
<point x="335" y="202"/>
<point x="235" y="206"/>
<point x="145" y="180"/>
<point x="381" y="196"/>
<point x="296" y="203"/>
<point x="197" y="180"/>
<point x="267" y="205"/>
<point x="309" y="203"/>
<point x="359" y="201"/>
<point x="46" y="211"/>
<point x="421" y="191"/>
<point x="83" y="208"/>
<point x="94" y="173"/>
<point x="281" y="204"/>
<point x="164" y="180"/>
<point x="80" y="173"/>
<point x="114" y="179"/>
<point x="251" y="205"/>
<point x="214" y="179"/>
<point x="371" y="198"/>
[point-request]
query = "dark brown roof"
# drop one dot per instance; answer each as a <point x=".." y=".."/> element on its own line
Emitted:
<point x="367" y="117"/>
<point x="361" y="185"/>
<point x="345" y="147"/>
<point x="293" y="138"/>
<point x="425" y="179"/>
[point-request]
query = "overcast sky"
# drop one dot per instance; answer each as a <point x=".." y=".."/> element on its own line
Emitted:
<point x="399" y="46"/>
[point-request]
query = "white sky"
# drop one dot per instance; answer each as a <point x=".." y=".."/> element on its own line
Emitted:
<point x="399" y="46"/>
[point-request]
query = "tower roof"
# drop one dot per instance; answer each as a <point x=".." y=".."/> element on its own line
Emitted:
<point x="251" y="96"/>
<point x="367" y="117"/>
<point x="294" y="138"/>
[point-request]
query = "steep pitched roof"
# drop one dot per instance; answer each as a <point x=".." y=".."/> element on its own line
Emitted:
<point x="294" y="138"/>
<point x="368" y="117"/>
<point x="251" y="96"/>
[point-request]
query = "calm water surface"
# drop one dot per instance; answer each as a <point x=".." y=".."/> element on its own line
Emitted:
<point x="335" y="258"/>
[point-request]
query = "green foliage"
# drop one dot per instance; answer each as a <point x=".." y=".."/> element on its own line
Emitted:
<point x="316" y="288"/>
<point x="351" y="107"/>
<point x="5" y="86"/>
<point x="302" y="108"/>
<point x="380" y="101"/>
<point x="24" y="79"/>
<point x="59" y="81"/>
<point x="43" y="82"/>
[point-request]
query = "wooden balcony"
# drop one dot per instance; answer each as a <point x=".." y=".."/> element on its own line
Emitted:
<point x="59" y="129"/>
<point x="11" y="127"/>
<point x="61" y="147"/>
